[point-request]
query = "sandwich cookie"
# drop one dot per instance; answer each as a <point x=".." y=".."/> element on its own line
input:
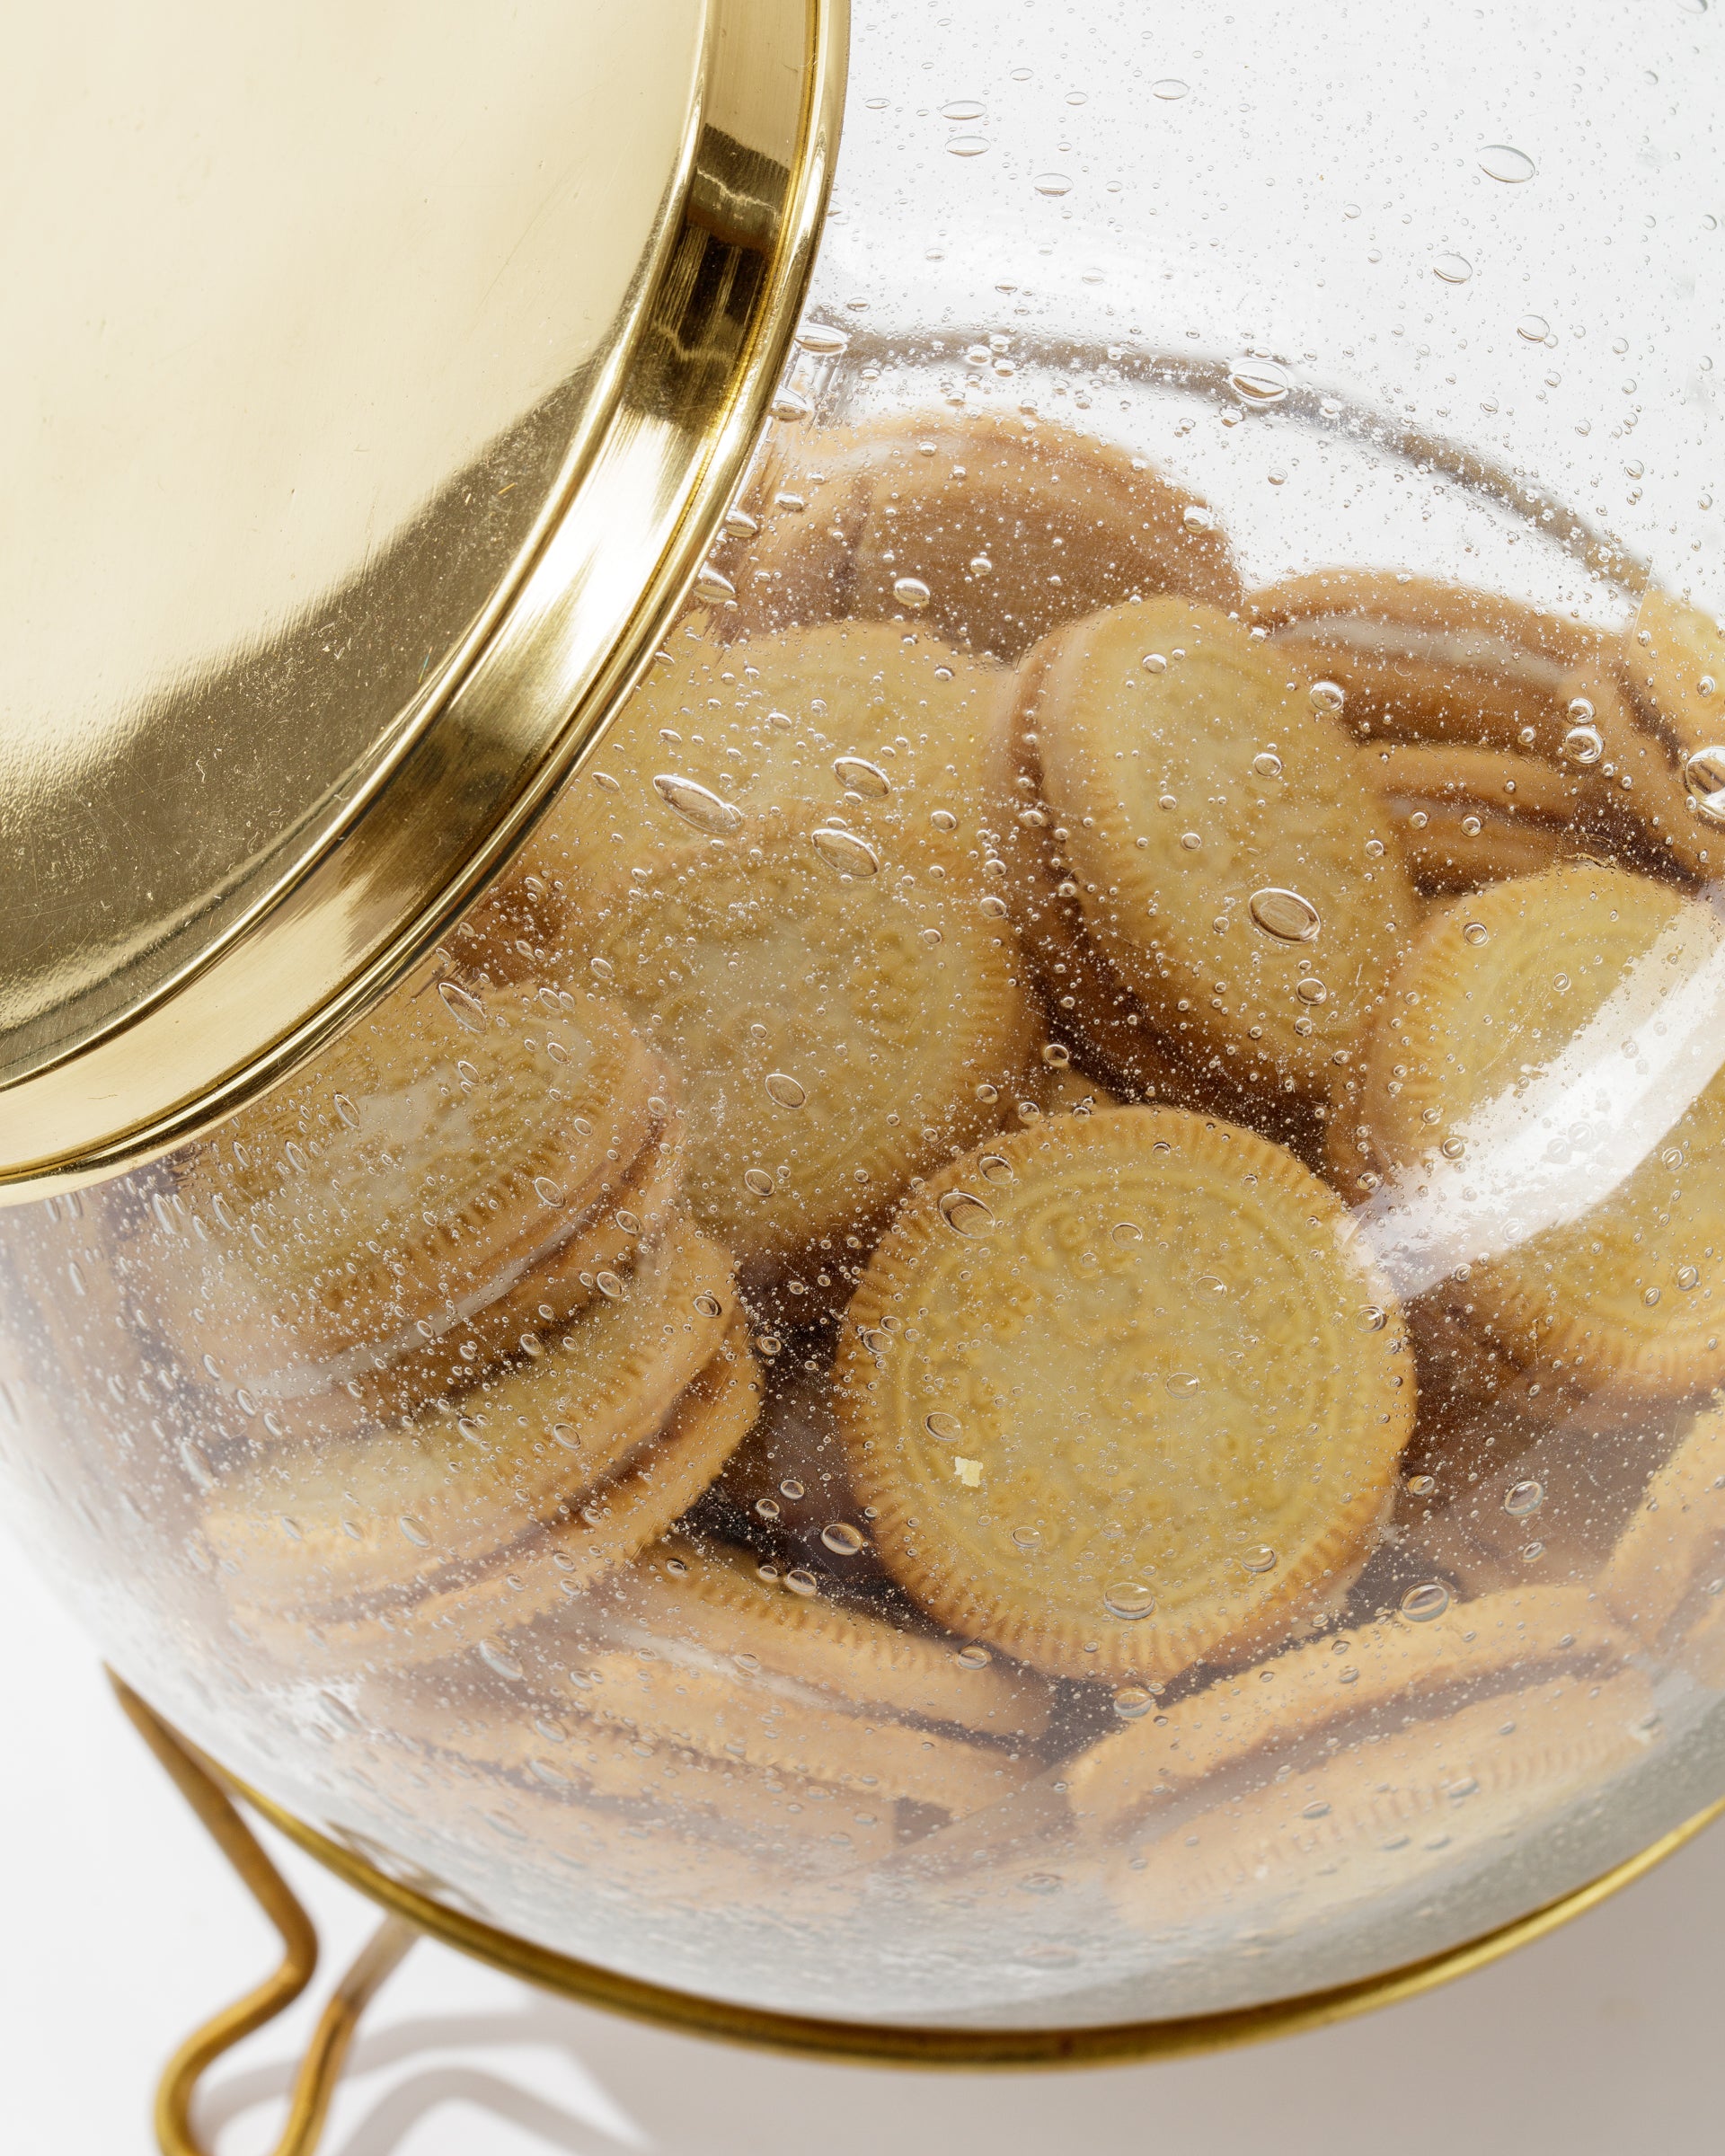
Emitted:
<point x="442" y="1155"/>
<point x="1412" y="660"/>
<point x="1416" y="659"/>
<point x="846" y="1014"/>
<point x="992" y="531"/>
<point x="1454" y="847"/>
<point x="1107" y="1029"/>
<point x="1343" y="1683"/>
<point x="573" y="1454"/>
<point x="690" y="1649"/>
<point x="707" y="1605"/>
<point x="1124" y="1394"/>
<point x="1675" y="662"/>
<point x="1641" y="811"/>
<point x="696" y="1691"/>
<point x="1218" y="836"/>
<point x="616" y="1520"/>
<point x="1470" y="815"/>
<point x="856" y="718"/>
<point x="623" y="1223"/>
<point x="662" y="1815"/>
<point x="1392" y="1816"/>
<point x="1524" y="1007"/>
<point x="1088" y="1003"/>
<point x="1672" y="659"/>
<point x="1670" y="1557"/>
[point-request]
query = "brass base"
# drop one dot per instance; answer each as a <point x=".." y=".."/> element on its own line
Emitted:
<point x="211" y="1791"/>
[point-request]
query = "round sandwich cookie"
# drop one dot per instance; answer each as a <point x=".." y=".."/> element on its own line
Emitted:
<point x="569" y="1783"/>
<point x="1107" y="1029"/>
<point x="1093" y="1008"/>
<point x="613" y="1522"/>
<point x="622" y="1223"/>
<point x="1641" y="811"/>
<point x="1672" y="659"/>
<point x="1670" y="1556"/>
<point x="381" y="1513"/>
<point x="1410" y="659"/>
<point x="1365" y="1822"/>
<point x="1469" y="816"/>
<point x="444" y="1149"/>
<point x="1124" y="1394"/>
<point x="1219" y="838"/>
<point x="1111" y="1032"/>
<point x="1324" y="1688"/>
<point x="673" y="1855"/>
<point x="707" y="1604"/>
<point x="1507" y="783"/>
<point x="846" y="1014"/>
<point x="686" y="1648"/>
<point x="992" y="531"/>
<point x="857" y="717"/>
<point x="678" y="1846"/>
<point x="1448" y="846"/>
<point x="1564" y="1004"/>
<point x="446" y="1610"/>
<point x="1418" y="659"/>
<point x="779" y="1727"/>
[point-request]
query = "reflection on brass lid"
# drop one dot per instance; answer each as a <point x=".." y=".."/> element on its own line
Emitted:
<point x="384" y="384"/>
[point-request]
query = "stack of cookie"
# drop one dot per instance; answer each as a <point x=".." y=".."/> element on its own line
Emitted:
<point x="464" y="1350"/>
<point x="789" y="1736"/>
<point x="1039" y="1144"/>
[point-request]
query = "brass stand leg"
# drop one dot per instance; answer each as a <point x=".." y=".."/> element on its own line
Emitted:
<point x="320" y="2068"/>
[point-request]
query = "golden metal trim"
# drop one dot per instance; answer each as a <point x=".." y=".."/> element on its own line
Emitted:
<point x="320" y="2069"/>
<point x="331" y="916"/>
<point x="885" y="2044"/>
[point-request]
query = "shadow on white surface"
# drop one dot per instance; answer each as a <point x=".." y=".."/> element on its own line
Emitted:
<point x="519" y="2072"/>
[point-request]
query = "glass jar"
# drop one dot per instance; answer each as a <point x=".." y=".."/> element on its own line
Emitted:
<point x="1024" y="1326"/>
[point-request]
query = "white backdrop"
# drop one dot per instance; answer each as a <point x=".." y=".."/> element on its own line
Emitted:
<point x="121" y="1929"/>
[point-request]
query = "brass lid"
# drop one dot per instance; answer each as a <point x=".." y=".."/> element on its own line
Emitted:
<point x="379" y="375"/>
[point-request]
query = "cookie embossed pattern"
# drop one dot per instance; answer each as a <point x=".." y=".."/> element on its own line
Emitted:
<point x="1132" y="1420"/>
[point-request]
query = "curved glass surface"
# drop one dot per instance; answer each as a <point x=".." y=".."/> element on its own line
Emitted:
<point x="1028" y="1329"/>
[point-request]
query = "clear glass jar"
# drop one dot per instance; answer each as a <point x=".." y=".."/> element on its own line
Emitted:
<point x="1025" y="1329"/>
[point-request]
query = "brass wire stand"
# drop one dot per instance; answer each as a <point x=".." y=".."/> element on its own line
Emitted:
<point x="320" y="2068"/>
<point x="211" y="1792"/>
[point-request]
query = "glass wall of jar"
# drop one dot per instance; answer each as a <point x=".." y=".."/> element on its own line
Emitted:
<point x="1027" y="1328"/>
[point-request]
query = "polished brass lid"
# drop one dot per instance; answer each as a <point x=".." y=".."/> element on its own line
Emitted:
<point x="377" y="375"/>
